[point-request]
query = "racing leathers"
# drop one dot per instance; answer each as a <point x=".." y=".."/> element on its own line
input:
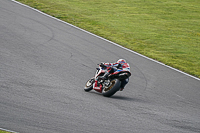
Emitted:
<point x="112" y="67"/>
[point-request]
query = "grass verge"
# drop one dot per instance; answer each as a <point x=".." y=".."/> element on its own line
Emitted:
<point x="165" y="30"/>
<point x="4" y="131"/>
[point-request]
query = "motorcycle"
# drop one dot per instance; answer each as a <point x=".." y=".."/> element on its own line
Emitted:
<point x="108" y="86"/>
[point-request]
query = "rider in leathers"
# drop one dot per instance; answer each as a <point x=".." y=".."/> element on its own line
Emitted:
<point x="112" y="67"/>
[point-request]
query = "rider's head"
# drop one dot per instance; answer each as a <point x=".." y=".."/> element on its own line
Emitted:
<point x="121" y="61"/>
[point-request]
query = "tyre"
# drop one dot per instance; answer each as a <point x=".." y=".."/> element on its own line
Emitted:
<point x="89" y="85"/>
<point x="112" y="88"/>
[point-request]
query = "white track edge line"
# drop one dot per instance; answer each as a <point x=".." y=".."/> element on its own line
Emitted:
<point x="7" y="130"/>
<point x="108" y="41"/>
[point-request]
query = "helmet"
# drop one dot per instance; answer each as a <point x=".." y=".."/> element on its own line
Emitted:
<point x="120" y="61"/>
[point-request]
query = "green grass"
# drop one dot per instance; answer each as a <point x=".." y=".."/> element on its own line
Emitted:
<point x="4" y="131"/>
<point x="165" y="30"/>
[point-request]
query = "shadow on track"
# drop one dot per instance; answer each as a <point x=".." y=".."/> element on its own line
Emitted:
<point x="117" y="97"/>
<point x="126" y="98"/>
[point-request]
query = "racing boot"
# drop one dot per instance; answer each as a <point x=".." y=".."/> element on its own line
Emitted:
<point x="123" y="84"/>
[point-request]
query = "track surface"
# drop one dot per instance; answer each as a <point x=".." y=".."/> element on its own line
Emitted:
<point x="44" y="64"/>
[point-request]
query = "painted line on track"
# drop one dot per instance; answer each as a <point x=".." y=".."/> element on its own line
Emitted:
<point x="108" y="41"/>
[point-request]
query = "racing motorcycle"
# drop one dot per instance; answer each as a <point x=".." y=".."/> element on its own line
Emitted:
<point x="108" y="86"/>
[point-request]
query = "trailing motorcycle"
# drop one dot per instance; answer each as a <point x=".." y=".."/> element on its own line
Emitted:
<point x="108" y="86"/>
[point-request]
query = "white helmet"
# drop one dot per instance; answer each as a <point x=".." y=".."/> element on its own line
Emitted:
<point x="120" y="61"/>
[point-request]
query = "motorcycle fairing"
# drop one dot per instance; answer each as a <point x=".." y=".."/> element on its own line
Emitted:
<point x="97" y="86"/>
<point x="122" y="74"/>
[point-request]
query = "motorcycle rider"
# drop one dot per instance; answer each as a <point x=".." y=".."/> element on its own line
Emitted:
<point x="112" y="67"/>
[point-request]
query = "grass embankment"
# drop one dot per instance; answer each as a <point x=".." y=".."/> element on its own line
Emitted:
<point x="165" y="30"/>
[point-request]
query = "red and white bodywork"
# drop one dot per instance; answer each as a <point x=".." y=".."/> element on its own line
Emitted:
<point x="111" y="85"/>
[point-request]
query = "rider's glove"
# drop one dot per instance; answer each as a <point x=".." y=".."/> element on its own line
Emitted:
<point x="102" y="65"/>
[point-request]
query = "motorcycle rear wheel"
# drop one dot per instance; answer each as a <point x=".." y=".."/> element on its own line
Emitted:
<point x="112" y="88"/>
<point x="89" y="85"/>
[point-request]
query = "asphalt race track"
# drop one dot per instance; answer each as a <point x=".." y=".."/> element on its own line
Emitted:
<point x="44" y="64"/>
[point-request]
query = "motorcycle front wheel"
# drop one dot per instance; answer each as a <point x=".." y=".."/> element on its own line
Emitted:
<point x="89" y="85"/>
<point x="112" y="88"/>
